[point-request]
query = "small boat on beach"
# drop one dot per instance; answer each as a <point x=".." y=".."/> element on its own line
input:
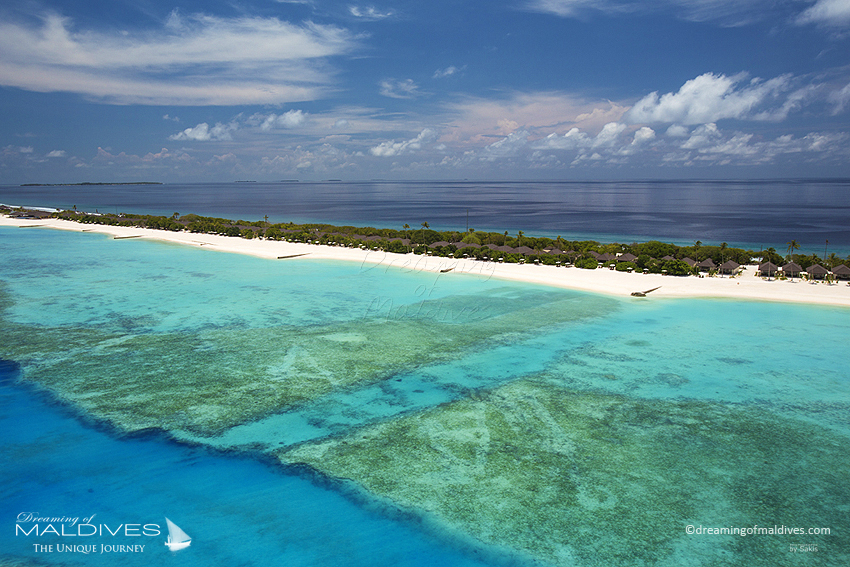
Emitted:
<point x="177" y="538"/>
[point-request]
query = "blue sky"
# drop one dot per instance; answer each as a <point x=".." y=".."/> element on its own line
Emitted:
<point x="96" y="90"/>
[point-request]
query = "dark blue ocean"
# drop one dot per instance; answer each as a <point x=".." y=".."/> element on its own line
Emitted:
<point x="752" y="214"/>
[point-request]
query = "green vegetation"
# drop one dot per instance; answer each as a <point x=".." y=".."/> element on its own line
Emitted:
<point x="652" y="256"/>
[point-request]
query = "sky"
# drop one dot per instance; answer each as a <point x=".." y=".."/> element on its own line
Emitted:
<point x="267" y="90"/>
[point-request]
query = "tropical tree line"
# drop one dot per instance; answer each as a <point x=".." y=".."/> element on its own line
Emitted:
<point x="652" y="256"/>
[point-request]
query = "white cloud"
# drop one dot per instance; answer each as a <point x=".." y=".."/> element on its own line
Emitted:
<point x="391" y="149"/>
<point x="341" y="123"/>
<point x="576" y="139"/>
<point x="709" y="98"/>
<point x="677" y="131"/>
<point x="570" y="8"/>
<point x="609" y="135"/>
<point x="290" y="119"/>
<point x="480" y="120"/>
<point x="703" y="136"/>
<point x="369" y="13"/>
<point x="56" y="154"/>
<point x="831" y="13"/>
<point x="840" y="99"/>
<point x="508" y="146"/>
<point x="724" y="12"/>
<point x="572" y="140"/>
<point x="396" y="88"/>
<point x="447" y="72"/>
<point x="644" y="135"/>
<point x="203" y="133"/>
<point x="26" y="149"/>
<point x="199" y="60"/>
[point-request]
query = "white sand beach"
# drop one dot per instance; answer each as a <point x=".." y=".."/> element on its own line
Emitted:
<point x="745" y="286"/>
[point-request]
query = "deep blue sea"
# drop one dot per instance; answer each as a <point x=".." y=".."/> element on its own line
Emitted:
<point x="752" y="214"/>
<point x="324" y="414"/>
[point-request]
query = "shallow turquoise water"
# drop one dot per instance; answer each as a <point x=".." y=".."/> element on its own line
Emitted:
<point x="105" y="325"/>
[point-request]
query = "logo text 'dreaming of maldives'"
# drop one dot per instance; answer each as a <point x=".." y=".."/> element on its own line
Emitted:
<point x="30" y="524"/>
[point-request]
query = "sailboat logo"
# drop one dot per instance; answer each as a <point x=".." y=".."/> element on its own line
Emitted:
<point x="177" y="538"/>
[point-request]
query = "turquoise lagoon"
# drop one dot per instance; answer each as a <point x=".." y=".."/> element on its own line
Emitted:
<point x="298" y="412"/>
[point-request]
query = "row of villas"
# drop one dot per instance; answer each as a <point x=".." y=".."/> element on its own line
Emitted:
<point x="794" y="270"/>
<point x="730" y="267"/>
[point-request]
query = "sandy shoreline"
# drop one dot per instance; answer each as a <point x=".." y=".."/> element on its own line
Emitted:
<point x="746" y="286"/>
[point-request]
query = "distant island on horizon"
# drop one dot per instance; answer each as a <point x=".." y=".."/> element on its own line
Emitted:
<point x="90" y="183"/>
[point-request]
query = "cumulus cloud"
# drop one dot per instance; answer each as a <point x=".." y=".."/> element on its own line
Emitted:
<point x="708" y="145"/>
<point x="392" y="149"/>
<point x="572" y="140"/>
<point x="195" y="60"/>
<point x="56" y="154"/>
<point x="576" y="139"/>
<point x="644" y="135"/>
<point x="395" y="88"/>
<point x="709" y="98"/>
<point x="609" y="135"/>
<point x="704" y="136"/>
<point x="508" y="146"/>
<point x="830" y="13"/>
<point x="677" y="131"/>
<point x="290" y="119"/>
<point x="203" y="133"/>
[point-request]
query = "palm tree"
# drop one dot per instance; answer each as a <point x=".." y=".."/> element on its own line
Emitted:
<point x="791" y="247"/>
<point x="425" y="225"/>
<point x="519" y="236"/>
<point x="833" y="260"/>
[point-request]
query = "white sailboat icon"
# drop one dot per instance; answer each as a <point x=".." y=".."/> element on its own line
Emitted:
<point x="177" y="538"/>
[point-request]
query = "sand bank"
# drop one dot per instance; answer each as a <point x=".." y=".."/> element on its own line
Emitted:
<point x="746" y="286"/>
